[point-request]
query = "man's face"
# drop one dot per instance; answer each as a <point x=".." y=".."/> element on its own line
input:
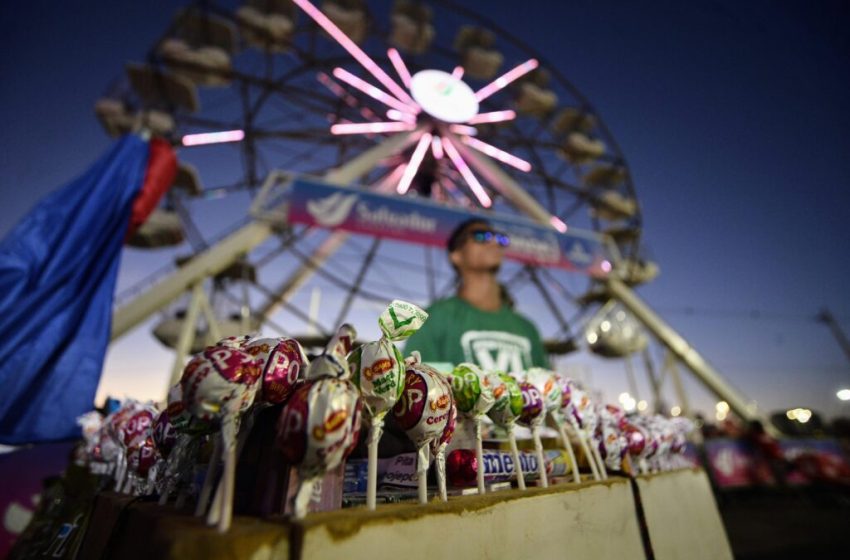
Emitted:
<point x="479" y="250"/>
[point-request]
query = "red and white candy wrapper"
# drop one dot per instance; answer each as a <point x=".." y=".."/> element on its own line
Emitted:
<point x="319" y="425"/>
<point x="143" y="461"/>
<point x="612" y="442"/>
<point x="423" y="413"/>
<point x="284" y="363"/>
<point x="219" y="385"/>
<point x="377" y="369"/>
<point x="238" y="342"/>
<point x="506" y="409"/>
<point x="473" y="397"/>
<point x="533" y="415"/>
<point x="553" y="389"/>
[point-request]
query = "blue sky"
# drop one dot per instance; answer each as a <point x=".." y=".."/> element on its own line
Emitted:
<point x="733" y="117"/>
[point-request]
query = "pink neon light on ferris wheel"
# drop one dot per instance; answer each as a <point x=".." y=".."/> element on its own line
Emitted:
<point x="400" y="67"/>
<point x="437" y="148"/>
<point x="415" y="162"/>
<point x="355" y="51"/>
<point x="467" y="173"/>
<point x="496" y="153"/>
<point x="457" y="73"/>
<point x="495" y="116"/>
<point x="558" y="224"/>
<point x="213" y="137"/>
<point x="505" y="79"/>
<point x="397" y="115"/>
<point x="371" y="128"/>
<point x="370" y="90"/>
<point x="463" y="129"/>
<point x="392" y="179"/>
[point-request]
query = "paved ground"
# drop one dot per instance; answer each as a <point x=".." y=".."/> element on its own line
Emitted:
<point x="804" y="526"/>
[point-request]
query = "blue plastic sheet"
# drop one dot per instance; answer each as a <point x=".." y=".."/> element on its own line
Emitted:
<point x="58" y="269"/>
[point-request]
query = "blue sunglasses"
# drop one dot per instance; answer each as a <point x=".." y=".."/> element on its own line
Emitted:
<point x="487" y="235"/>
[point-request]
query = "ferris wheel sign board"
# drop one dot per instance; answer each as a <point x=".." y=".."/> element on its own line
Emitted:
<point x="416" y="220"/>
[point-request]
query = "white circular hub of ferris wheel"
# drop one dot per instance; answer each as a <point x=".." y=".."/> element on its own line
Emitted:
<point x="443" y="96"/>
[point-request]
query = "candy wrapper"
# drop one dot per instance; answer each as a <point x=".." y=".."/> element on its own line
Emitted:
<point x="284" y="363"/>
<point x="462" y="466"/>
<point x="219" y="385"/>
<point x="423" y="412"/>
<point x="319" y="425"/>
<point x="506" y="409"/>
<point x="612" y="444"/>
<point x="473" y="397"/>
<point x="533" y="414"/>
<point x="377" y="369"/>
<point x="91" y="423"/>
<point x="555" y="391"/>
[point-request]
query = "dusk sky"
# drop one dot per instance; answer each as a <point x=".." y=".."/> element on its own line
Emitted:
<point x="733" y="117"/>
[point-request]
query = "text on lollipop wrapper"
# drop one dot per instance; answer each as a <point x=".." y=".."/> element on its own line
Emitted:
<point x="440" y="403"/>
<point x="331" y="424"/>
<point x="378" y="368"/>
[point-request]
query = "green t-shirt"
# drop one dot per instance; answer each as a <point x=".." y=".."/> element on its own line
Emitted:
<point x="457" y="332"/>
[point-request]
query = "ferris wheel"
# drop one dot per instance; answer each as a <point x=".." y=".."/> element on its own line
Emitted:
<point x="407" y="98"/>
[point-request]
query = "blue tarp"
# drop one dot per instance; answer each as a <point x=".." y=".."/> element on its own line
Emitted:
<point x="58" y="269"/>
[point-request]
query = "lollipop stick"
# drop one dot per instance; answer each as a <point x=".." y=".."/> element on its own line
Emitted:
<point x="479" y="455"/>
<point x="441" y="473"/>
<point x="375" y="432"/>
<point x="603" y="472"/>
<point x="520" y="476"/>
<point x="120" y="470"/>
<point x="228" y="480"/>
<point x="541" y="461"/>
<point x="570" y="453"/>
<point x="422" y="460"/>
<point x="586" y="450"/>
<point x="212" y="471"/>
<point x="302" y="497"/>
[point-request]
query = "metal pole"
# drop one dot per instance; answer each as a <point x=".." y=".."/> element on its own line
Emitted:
<point x="654" y="382"/>
<point x="630" y="377"/>
<point x="187" y="333"/>
<point x="826" y="316"/>
<point x="684" y="352"/>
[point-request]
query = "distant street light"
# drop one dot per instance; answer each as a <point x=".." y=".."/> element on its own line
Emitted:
<point x="843" y="394"/>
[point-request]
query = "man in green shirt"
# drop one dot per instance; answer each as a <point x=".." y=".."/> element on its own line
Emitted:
<point x="478" y="325"/>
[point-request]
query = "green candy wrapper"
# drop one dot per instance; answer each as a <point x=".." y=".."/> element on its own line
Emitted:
<point x="472" y="389"/>
<point x="377" y="368"/>
<point x="507" y="404"/>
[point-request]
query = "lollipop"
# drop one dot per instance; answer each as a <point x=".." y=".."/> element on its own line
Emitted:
<point x="533" y="414"/>
<point x="143" y="460"/>
<point x="377" y="369"/>
<point x="555" y="393"/>
<point x="423" y="413"/>
<point x="284" y="361"/>
<point x="612" y="445"/>
<point x="507" y="407"/>
<point x="319" y="425"/>
<point x="473" y="397"/>
<point x="573" y="397"/>
<point x="219" y="385"/>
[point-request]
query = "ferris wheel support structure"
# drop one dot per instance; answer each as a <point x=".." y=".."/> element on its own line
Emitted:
<point x="680" y="347"/>
<point x="215" y="259"/>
